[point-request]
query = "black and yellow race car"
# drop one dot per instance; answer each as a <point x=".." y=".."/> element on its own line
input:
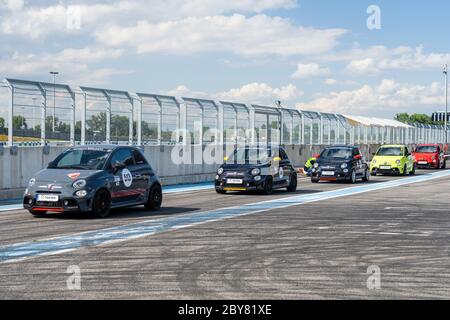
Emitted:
<point x="261" y="169"/>
<point x="94" y="179"/>
<point x="340" y="163"/>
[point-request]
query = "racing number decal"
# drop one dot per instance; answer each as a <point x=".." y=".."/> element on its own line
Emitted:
<point x="281" y="172"/>
<point x="127" y="178"/>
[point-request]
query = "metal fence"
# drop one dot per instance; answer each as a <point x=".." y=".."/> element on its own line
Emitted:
<point x="39" y="113"/>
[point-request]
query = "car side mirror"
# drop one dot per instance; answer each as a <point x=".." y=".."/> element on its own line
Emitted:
<point x="118" y="166"/>
<point x="51" y="164"/>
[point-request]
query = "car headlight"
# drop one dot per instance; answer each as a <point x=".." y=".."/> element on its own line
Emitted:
<point x="316" y="165"/>
<point x="398" y="161"/>
<point x="256" y="172"/>
<point x="374" y="161"/>
<point x="220" y="171"/>
<point x="32" y="182"/>
<point x="81" y="193"/>
<point x="79" y="184"/>
<point x="344" y="166"/>
<point x="258" y="178"/>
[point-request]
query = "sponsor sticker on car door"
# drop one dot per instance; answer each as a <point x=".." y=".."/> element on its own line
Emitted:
<point x="127" y="178"/>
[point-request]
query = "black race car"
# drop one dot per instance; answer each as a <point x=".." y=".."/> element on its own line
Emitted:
<point x="95" y="179"/>
<point x="260" y="169"/>
<point x="340" y="163"/>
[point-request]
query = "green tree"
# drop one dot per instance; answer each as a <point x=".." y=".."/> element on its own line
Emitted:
<point x="403" y="117"/>
<point x="421" y="118"/>
<point x="2" y="122"/>
<point x="96" y="123"/>
<point x="19" y="122"/>
<point x="120" y="126"/>
<point x="416" y="118"/>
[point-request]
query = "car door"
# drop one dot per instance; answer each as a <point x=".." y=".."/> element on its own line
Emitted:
<point x="441" y="155"/>
<point x="409" y="159"/>
<point x="285" y="168"/>
<point x="141" y="173"/>
<point x="124" y="188"/>
<point x="358" y="162"/>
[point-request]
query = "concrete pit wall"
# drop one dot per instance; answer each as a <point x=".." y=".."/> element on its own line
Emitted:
<point x="18" y="165"/>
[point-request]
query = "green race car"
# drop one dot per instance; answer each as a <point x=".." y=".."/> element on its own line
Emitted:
<point x="393" y="160"/>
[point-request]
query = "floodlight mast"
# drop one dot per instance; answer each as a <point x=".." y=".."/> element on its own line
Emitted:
<point x="54" y="74"/>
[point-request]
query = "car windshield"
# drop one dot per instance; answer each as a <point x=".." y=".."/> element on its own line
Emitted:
<point x="337" y="153"/>
<point x="254" y="155"/>
<point x="81" y="159"/>
<point x="390" y="152"/>
<point x="427" y="149"/>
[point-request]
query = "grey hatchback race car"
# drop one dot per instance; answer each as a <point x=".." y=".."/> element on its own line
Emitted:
<point x="94" y="179"/>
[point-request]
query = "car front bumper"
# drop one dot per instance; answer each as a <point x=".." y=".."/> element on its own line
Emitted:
<point x="66" y="203"/>
<point x="248" y="184"/>
<point x="428" y="165"/>
<point x="393" y="170"/>
<point x="339" y="175"/>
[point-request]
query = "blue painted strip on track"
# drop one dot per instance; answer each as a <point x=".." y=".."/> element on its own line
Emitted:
<point x="167" y="190"/>
<point x="132" y="231"/>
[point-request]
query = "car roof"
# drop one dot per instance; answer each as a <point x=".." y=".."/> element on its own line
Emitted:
<point x="393" y="146"/>
<point x="429" y="145"/>
<point x="343" y="146"/>
<point x="102" y="146"/>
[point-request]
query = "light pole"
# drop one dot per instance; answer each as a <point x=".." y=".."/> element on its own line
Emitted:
<point x="446" y="104"/>
<point x="280" y="123"/>
<point x="54" y="74"/>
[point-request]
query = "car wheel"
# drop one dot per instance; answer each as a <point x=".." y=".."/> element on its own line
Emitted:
<point x="315" y="180"/>
<point x="366" y="176"/>
<point x="38" y="214"/>
<point x="154" y="198"/>
<point x="292" y="183"/>
<point x="221" y="191"/>
<point x="101" y="205"/>
<point x="268" y="186"/>
<point x="353" y="177"/>
<point x="413" y="172"/>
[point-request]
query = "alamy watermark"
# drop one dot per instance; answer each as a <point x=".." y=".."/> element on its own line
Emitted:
<point x="374" y="280"/>
<point x="374" y="19"/>
<point x="73" y="14"/>
<point x="74" y="280"/>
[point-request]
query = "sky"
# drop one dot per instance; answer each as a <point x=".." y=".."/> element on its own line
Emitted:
<point x="356" y="57"/>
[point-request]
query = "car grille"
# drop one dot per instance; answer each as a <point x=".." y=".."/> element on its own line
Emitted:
<point x="48" y="204"/>
<point x="48" y="192"/>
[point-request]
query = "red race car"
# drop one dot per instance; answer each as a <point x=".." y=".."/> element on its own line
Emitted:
<point x="430" y="156"/>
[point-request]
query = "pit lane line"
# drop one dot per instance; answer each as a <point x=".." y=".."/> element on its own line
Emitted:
<point x="18" y="252"/>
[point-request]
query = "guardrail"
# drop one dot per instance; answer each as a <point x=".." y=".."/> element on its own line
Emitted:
<point x="46" y="113"/>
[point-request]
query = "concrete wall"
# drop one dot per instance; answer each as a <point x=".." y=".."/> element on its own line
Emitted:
<point x="18" y="165"/>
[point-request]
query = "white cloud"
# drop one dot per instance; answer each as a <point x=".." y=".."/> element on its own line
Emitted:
<point x="376" y="59"/>
<point x="261" y="93"/>
<point x="388" y="96"/>
<point x="73" y="64"/>
<point x="330" y="82"/>
<point x="184" y="91"/>
<point x="257" y="35"/>
<point x="43" y="20"/>
<point x="310" y="70"/>
<point x="13" y="5"/>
